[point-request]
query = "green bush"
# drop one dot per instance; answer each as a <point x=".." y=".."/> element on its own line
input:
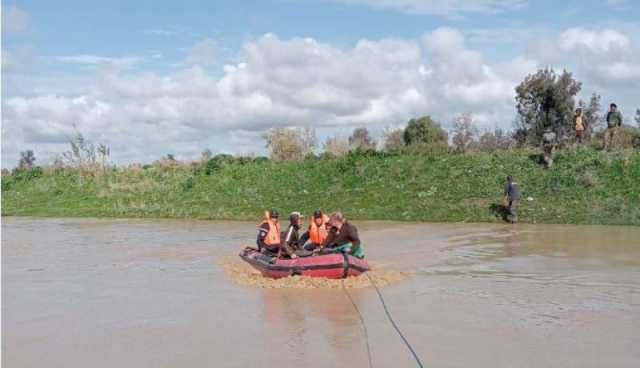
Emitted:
<point x="424" y="131"/>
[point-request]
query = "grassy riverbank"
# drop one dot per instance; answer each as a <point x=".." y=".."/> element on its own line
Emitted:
<point x="584" y="186"/>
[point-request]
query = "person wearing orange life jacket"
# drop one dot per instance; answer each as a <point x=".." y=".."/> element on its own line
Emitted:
<point x="269" y="233"/>
<point x="270" y="238"/>
<point x="317" y="232"/>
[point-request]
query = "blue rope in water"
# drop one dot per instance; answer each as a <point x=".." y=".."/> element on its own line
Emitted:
<point x="364" y="326"/>
<point x="393" y="323"/>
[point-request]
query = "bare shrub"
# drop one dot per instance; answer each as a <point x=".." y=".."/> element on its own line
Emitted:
<point x="336" y="146"/>
<point x="464" y="132"/>
<point x="27" y="159"/>
<point x="496" y="140"/>
<point x="290" y="144"/>
<point x="361" y="139"/>
<point x="83" y="156"/>
<point x="206" y="155"/>
<point x="393" y="139"/>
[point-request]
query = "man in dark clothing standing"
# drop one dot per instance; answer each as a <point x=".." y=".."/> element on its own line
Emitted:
<point x="512" y="198"/>
<point x="614" y="122"/>
<point x="343" y="236"/>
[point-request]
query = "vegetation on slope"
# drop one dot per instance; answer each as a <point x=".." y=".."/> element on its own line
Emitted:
<point x="584" y="186"/>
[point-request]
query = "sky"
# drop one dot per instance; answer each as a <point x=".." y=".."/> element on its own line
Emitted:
<point x="149" y="78"/>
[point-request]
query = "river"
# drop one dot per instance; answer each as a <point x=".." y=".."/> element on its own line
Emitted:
<point x="154" y="293"/>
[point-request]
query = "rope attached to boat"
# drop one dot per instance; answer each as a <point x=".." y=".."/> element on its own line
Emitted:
<point x="364" y="326"/>
<point x="393" y="323"/>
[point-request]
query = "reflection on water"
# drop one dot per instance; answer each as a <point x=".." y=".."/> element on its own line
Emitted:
<point x="161" y="293"/>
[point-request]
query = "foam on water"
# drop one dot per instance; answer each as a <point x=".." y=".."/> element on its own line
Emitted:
<point x="243" y="274"/>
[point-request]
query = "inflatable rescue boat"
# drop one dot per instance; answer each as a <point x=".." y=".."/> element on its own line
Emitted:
<point x="331" y="266"/>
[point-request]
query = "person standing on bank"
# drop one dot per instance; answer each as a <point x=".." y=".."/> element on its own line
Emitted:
<point x="512" y="199"/>
<point x="548" y="147"/>
<point x="579" y="121"/>
<point x="614" y="122"/>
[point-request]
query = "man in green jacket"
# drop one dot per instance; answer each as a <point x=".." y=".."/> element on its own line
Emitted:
<point x="614" y="122"/>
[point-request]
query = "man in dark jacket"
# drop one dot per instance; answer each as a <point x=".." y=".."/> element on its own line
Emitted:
<point x="512" y="198"/>
<point x="343" y="236"/>
<point x="291" y="236"/>
<point x="614" y="122"/>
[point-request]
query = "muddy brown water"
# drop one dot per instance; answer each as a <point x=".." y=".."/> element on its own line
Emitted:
<point x="138" y="293"/>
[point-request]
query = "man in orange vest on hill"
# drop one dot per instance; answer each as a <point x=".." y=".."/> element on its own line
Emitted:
<point x="317" y="232"/>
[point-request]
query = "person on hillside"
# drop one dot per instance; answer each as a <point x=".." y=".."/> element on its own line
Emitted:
<point x="343" y="236"/>
<point x="270" y="238"/>
<point x="548" y="147"/>
<point x="614" y="122"/>
<point x="317" y="232"/>
<point x="579" y="125"/>
<point x="511" y="199"/>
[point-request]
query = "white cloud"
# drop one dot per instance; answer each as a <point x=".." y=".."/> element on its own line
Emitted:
<point x="94" y="60"/>
<point x="602" y="58"/>
<point x="15" y="20"/>
<point x="442" y="7"/>
<point x="301" y="81"/>
<point x="623" y="71"/>
<point x="598" y="41"/>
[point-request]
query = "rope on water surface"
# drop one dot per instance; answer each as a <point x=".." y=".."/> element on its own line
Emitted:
<point x="364" y="326"/>
<point x="393" y="323"/>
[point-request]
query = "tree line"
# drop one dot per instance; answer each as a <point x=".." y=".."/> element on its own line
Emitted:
<point x="544" y="100"/>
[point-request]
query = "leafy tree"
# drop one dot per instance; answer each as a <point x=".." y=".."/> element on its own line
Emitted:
<point x="362" y="140"/>
<point x="170" y="157"/>
<point x="393" y="139"/>
<point x="424" y="131"/>
<point x="546" y="100"/>
<point x="27" y="159"/>
<point x="637" y="118"/>
<point x="290" y="143"/>
<point x="464" y="132"/>
<point x="336" y="146"/>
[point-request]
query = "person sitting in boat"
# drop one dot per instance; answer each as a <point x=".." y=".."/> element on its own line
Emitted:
<point x="343" y="236"/>
<point x="270" y="239"/>
<point x="269" y="233"/>
<point x="317" y="232"/>
<point x="291" y="241"/>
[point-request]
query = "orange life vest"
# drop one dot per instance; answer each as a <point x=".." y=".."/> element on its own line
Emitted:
<point x="273" y="236"/>
<point x="318" y="234"/>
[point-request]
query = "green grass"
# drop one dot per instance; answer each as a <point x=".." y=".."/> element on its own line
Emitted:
<point x="584" y="186"/>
